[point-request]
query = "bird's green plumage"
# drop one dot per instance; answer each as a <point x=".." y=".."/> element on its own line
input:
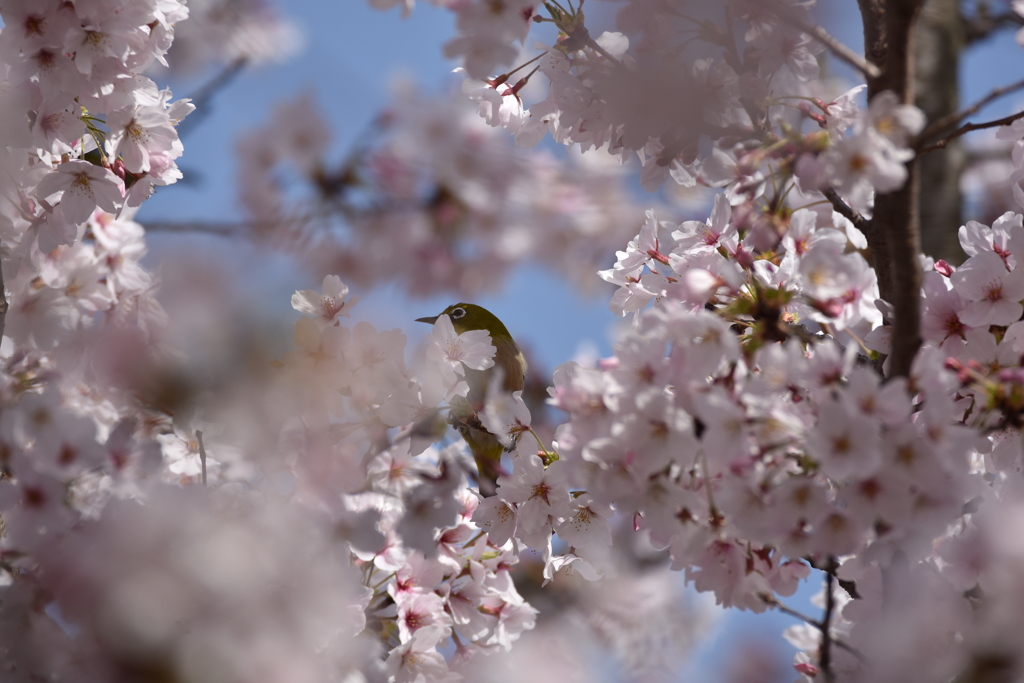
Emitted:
<point x="508" y="357"/>
<point x="509" y="362"/>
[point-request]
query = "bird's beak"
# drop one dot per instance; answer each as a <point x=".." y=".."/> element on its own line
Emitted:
<point x="430" y="321"/>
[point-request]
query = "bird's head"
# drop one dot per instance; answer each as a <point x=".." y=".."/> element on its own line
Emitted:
<point x="467" y="317"/>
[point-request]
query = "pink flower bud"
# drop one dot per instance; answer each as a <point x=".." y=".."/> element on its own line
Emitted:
<point x="806" y="668"/>
<point x="118" y="168"/>
<point x="943" y="268"/>
<point x="832" y="307"/>
<point x="1011" y="376"/>
<point x="746" y="259"/>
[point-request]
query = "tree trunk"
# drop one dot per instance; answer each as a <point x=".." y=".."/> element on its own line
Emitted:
<point x="940" y="42"/>
<point x="894" y="228"/>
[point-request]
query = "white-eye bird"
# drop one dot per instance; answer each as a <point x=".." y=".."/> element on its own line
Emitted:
<point x="509" y="363"/>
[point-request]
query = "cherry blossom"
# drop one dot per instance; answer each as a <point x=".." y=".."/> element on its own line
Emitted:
<point x="507" y="417"/>
<point x="497" y="518"/>
<point x="167" y="511"/>
<point x="84" y="187"/>
<point x="333" y="301"/>
<point x="994" y="292"/>
<point x="586" y="529"/>
<point x="471" y="349"/>
<point x="140" y="132"/>
<point x="540" y="493"/>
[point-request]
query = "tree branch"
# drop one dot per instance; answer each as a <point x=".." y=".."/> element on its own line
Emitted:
<point x="769" y="600"/>
<point x="981" y="27"/>
<point x="936" y="127"/>
<point x="825" y="657"/>
<point x="3" y="301"/>
<point x="253" y="229"/>
<point x="904" y="243"/>
<point x="820" y="625"/>
<point x="202" y="97"/>
<point x="878" y="244"/>
<point x="839" y="49"/>
<point x="222" y="228"/>
<point x="967" y="128"/>
<point x="202" y="454"/>
<point x="844" y="209"/>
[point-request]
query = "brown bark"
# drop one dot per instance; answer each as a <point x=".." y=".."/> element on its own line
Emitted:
<point x="894" y="235"/>
<point x="940" y="42"/>
<point x="3" y="302"/>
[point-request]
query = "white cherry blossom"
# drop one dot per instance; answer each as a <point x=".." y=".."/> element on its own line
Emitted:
<point x="84" y="188"/>
<point x="994" y="292"/>
<point x="327" y="305"/>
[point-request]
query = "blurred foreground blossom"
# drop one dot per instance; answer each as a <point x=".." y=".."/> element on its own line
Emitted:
<point x="194" y="585"/>
<point x="253" y="32"/>
<point x="465" y="203"/>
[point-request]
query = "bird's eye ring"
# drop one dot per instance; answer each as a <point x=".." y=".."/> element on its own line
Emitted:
<point x="458" y="313"/>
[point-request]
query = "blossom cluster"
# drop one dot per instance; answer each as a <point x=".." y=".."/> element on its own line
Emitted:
<point x="110" y="569"/>
<point x="746" y="423"/>
<point x="178" y="587"/>
<point x="488" y="31"/>
<point x="99" y="134"/>
<point x="232" y="32"/>
<point x="435" y="576"/>
<point x="71" y="253"/>
<point x="464" y="202"/>
<point x="99" y="529"/>
<point x="640" y="91"/>
<point x="312" y="517"/>
<point x="737" y="431"/>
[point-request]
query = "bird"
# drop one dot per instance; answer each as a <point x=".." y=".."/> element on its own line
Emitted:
<point x="509" y="363"/>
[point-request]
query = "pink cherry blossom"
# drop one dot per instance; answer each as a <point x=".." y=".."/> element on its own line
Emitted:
<point x="845" y="444"/>
<point x="994" y="292"/>
<point x="586" y="528"/>
<point x="456" y="352"/>
<point x="333" y="301"/>
<point x="85" y="188"/>
<point x="540" y="493"/>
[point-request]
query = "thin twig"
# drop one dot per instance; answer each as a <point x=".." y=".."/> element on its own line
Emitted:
<point x="3" y="301"/>
<point x="967" y="128"/>
<point x="849" y="648"/>
<point x="839" y="49"/>
<point x="202" y="454"/>
<point x="231" y="228"/>
<point x="223" y="228"/>
<point x="596" y="47"/>
<point x="845" y="210"/>
<point x="956" y="117"/>
<point x="769" y="600"/>
<point x="825" y="658"/>
<point x="202" y="97"/>
<point x="772" y="602"/>
<point x="981" y="27"/>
